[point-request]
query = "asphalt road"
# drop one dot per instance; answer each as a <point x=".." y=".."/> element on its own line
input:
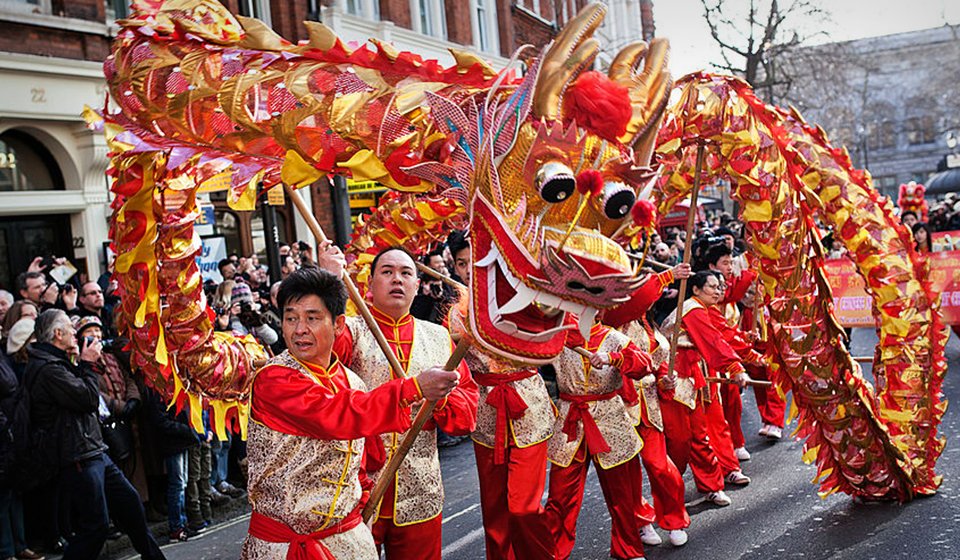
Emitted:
<point x="779" y="515"/>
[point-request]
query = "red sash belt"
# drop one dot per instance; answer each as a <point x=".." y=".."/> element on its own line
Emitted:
<point x="508" y="402"/>
<point x="302" y="547"/>
<point x="580" y="412"/>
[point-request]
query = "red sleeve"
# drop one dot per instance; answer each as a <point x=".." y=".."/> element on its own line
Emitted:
<point x="710" y="343"/>
<point x="736" y="338"/>
<point x="738" y="287"/>
<point x="640" y="301"/>
<point x="456" y="414"/>
<point x="631" y="361"/>
<point x="343" y="346"/>
<point x="286" y="401"/>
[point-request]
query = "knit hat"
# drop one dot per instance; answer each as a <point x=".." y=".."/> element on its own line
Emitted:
<point x="20" y="334"/>
<point x="86" y="322"/>
<point x="241" y="294"/>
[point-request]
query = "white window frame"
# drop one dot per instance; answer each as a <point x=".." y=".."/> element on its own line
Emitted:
<point x="490" y="21"/>
<point x="436" y="17"/>
<point x="367" y="9"/>
<point x="259" y="9"/>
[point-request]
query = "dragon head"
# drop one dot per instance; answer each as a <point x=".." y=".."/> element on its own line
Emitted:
<point x="550" y="169"/>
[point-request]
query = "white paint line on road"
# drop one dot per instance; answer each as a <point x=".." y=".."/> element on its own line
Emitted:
<point x="463" y="541"/>
<point x="243" y="518"/>
<point x="459" y="513"/>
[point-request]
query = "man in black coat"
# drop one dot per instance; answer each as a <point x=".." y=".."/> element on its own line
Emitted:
<point x="65" y="400"/>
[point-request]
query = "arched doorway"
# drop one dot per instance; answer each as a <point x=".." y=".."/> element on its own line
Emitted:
<point x="27" y="165"/>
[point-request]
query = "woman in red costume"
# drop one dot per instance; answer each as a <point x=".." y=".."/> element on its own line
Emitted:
<point x="701" y="351"/>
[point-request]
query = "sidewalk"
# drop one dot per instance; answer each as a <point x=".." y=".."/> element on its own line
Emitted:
<point x="121" y="548"/>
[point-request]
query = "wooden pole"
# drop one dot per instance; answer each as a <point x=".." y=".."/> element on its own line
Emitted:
<point x="687" y="254"/>
<point x="753" y="382"/>
<point x="352" y="290"/>
<point x="424" y="414"/>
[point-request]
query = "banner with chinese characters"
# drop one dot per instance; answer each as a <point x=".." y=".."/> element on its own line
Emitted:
<point x="853" y="304"/>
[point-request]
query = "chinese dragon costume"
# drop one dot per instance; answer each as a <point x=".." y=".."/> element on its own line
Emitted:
<point x="544" y="170"/>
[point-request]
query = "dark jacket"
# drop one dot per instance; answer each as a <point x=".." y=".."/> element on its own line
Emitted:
<point x="171" y="432"/>
<point x="64" y="399"/>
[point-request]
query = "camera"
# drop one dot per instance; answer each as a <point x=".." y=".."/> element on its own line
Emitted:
<point x="89" y="340"/>
<point x="245" y="307"/>
<point x="436" y="290"/>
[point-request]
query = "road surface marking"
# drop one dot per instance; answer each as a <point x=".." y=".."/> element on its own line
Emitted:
<point x="210" y="531"/>
<point x="459" y="513"/>
<point x="463" y="541"/>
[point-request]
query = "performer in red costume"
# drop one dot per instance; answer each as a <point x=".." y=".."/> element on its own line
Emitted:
<point x="701" y="348"/>
<point x="666" y="482"/>
<point x="409" y="520"/>
<point x="514" y="421"/>
<point x="310" y="416"/>
<point x="594" y="425"/>
<point x="727" y="436"/>
<point x="769" y="402"/>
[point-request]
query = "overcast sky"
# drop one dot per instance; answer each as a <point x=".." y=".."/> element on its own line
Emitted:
<point x="681" y="21"/>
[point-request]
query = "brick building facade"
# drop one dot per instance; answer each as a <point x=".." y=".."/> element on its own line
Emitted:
<point x="53" y="192"/>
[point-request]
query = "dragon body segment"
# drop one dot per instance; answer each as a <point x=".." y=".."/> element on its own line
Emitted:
<point x="876" y="442"/>
<point x="543" y="171"/>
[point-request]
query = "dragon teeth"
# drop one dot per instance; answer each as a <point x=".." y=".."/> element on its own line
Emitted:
<point x="522" y="299"/>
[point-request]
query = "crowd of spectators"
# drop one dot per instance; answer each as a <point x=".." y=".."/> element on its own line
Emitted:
<point x="112" y="456"/>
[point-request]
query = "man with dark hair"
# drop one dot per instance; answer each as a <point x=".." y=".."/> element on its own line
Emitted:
<point x="310" y="418"/>
<point x="410" y="517"/>
<point x="515" y="418"/>
<point x="434" y="297"/>
<point x="64" y="402"/>
<point x="31" y="286"/>
<point x="227" y="268"/>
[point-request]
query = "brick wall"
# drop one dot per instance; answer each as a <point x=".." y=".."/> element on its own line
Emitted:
<point x="398" y="11"/>
<point x="323" y="208"/>
<point x="458" y="23"/>
<point x="43" y="41"/>
<point x="90" y="10"/>
<point x="527" y="29"/>
<point x="287" y="18"/>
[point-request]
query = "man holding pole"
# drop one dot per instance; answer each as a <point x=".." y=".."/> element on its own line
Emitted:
<point x="310" y="417"/>
<point x="409" y="519"/>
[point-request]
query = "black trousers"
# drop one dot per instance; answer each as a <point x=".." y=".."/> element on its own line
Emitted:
<point x="95" y="488"/>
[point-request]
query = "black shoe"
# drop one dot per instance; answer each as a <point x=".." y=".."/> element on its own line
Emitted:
<point x="194" y="529"/>
<point x="113" y="533"/>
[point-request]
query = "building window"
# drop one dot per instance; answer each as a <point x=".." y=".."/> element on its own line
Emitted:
<point x="429" y="17"/>
<point x="364" y="8"/>
<point x="117" y="9"/>
<point x="881" y="135"/>
<point x="484" y="24"/>
<point x="259" y="9"/>
<point x="886" y="185"/>
<point x="26" y="165"/>
<point x="228" y="225"/>
<point x="26" y="6"/>
<point x="920" y="130"/>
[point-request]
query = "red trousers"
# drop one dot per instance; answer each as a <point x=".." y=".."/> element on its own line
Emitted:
<point x="514" y="523"/>
<point x="733" y="413"/>
<point x="421" y="540"/>
<point x="619" y="486"/>
<point x="666" y="482"/>
<point x="719" y="432"/>
<point x="688" y="442"/>
<point x="769" y="402"/>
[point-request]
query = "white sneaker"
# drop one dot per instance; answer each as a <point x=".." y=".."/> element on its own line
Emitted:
<point x="649" y="536"/>
<point x="737" y="478"/>
<point x="773" y="432"/>
<point x="678" y="537"/>
<point x="742" y="453"/>
<point x="719" y="498"/>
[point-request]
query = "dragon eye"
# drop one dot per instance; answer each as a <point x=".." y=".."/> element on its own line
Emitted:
<point x="618" y="199"/>
<point x="555" y="182"/>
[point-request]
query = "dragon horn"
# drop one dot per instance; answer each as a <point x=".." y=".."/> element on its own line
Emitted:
<point x="649" y="90"/>
<point x="571" y="52"/>
<point x="259" y="36"/>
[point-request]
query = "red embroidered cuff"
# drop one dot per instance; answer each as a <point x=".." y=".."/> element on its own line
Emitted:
<point x="410" y="391"/>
